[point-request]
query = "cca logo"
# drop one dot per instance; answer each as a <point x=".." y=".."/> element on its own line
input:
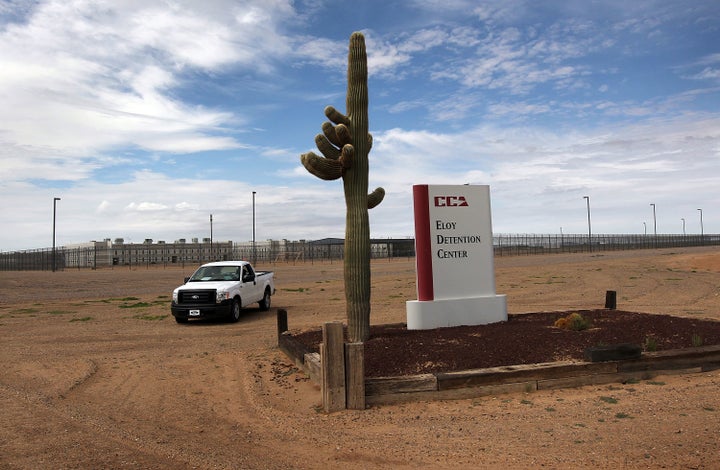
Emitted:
<point x="450" y="201"/>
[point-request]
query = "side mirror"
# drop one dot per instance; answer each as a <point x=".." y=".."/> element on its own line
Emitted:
<point x="248" y="278"/>
<point x="186" y="280"/>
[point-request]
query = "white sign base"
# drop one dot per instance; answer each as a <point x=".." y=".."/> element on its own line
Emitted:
<point x="429" y="314"/>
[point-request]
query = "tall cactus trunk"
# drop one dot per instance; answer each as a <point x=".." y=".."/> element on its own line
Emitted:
<point x="345" y="146"/>
<point x="355" y="183"/>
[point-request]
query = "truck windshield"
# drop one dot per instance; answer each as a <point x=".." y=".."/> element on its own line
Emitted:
<point x="216" y="273"/>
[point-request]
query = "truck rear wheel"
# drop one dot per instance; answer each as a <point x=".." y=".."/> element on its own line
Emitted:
<point x="235" y="311"/>
<point x="265" y="302"/>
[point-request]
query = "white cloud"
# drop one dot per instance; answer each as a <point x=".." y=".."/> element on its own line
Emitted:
<point x="146" y="207"/>
<point x="80" y="77"/>
<point x="103" y="206"/>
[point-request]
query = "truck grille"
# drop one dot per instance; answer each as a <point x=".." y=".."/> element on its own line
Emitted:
<point x="205" y="296"/>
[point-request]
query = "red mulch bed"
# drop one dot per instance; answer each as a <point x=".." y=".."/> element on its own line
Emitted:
<point x="393" y="350"/>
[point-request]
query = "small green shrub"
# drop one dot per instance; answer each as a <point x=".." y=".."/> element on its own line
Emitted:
<point x="574" y="322"/>
<point x="150" y="317"/>
<point x="136" y="305"/>
<point x="650" y="344"/>
<point x="697" y="340"/>
<point x="25" y="310"/>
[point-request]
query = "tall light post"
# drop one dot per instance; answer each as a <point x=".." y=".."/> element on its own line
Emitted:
<point x="645" y="228"/>
<point x="253" y="228"/>
<point x="702" y="230"/>
<point x="654" y="220"/>
<point x="211" y="240"/>
<point x="683" y="220"/>
<point x="587" y="199"/>
<point x="55" y="200"/>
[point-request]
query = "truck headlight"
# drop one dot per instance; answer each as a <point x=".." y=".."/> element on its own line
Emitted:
<point x="220" y="296"/>
<point x="175" y="296"/>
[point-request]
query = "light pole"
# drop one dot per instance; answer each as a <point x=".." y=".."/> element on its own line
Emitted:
<point x="654" y="220"/>
<point x="211" y="240"/>
<point x="702" y="230"/>
<point x="55" y="200"/>
<point x="645" y="228"/>
<point x="587" y="199"/>
<point x="683" y="220"/>
<point x="253" y="227"/>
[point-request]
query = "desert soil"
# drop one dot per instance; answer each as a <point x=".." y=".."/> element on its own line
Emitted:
<point x="97" y="374"/>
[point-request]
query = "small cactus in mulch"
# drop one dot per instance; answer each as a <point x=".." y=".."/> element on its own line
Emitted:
<point x="573" y="322"/>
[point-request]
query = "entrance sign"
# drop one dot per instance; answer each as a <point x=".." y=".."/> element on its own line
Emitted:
<point x="454" y="258"/>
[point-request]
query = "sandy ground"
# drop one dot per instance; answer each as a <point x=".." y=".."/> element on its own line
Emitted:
<point x="97" y="374"/>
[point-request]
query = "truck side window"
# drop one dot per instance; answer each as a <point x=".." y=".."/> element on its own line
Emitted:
<point x="248" y="273"/>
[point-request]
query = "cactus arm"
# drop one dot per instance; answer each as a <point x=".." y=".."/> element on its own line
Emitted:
<point x="336" y="116"/>
<point x="347" y="155"/>
<point x="323" y="168"/>
<point x="330" y="134"/>
<point x="343" y="134"/>
<point x="327" y="149"/>
<point x="375" y="197"/>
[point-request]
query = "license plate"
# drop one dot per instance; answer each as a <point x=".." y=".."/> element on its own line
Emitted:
<point x="194" y="313"/>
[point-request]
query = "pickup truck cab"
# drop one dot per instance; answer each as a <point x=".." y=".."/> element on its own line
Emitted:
<point x="221" y="289"/>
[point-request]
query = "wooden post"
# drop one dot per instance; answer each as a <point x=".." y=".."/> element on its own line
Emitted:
<point x="282" y="321"/>
<point x="355" y="375"/>
<point x="611" y="299"/>
<point x="332" y="363"/>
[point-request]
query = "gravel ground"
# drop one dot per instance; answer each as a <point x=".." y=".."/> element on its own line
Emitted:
<point x="96" y="374"/>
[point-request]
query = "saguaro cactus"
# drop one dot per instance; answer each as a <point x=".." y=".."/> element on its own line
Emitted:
<point x="345" y="144"/>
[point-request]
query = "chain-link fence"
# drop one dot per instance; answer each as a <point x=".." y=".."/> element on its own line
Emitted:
<point x="103" y="255"/>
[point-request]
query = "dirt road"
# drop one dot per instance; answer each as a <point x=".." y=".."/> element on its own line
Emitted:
<point x="96" y="374"/>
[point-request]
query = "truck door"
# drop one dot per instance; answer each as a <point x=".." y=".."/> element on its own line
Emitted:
<point x="252" y="290"/>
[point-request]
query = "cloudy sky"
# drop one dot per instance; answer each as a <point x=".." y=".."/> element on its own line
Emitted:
<point x="145" y="117"/>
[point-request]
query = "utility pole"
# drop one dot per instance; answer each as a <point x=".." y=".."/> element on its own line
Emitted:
<point x="702" y="230"/>
<point x="55" y="200"/>
<point x="587" y="199"/>
<point x="654" y="220"/>
<point x="253" y="230"/>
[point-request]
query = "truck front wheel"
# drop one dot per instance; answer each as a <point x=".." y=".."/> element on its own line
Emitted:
<point x="235" y="311"/>
<point x="265" y="302"/>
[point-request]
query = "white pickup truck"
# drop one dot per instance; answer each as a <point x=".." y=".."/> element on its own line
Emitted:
<point x="221" y="289"/>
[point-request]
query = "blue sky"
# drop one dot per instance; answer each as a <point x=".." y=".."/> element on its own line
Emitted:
<point x="146" y="117"/>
